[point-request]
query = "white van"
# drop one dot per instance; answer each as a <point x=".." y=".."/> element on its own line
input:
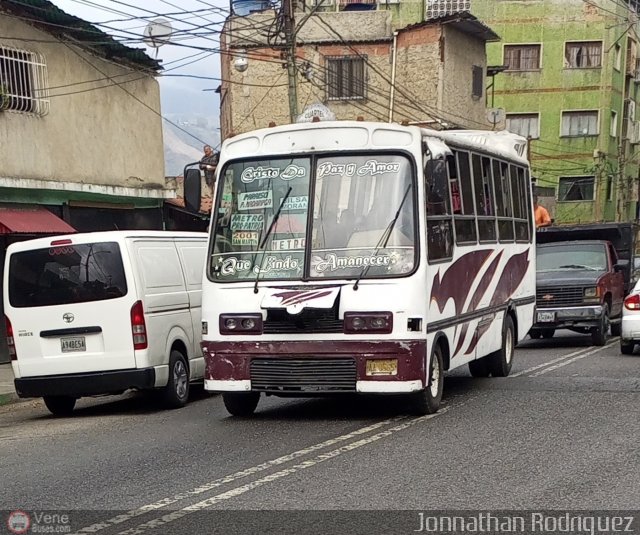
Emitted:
<point x="104" y="312"/>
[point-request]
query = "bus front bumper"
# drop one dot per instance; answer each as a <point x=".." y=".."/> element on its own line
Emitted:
<point x="321" y="367"/>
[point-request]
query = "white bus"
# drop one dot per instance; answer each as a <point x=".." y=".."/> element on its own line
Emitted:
<point x="365" y="257"/>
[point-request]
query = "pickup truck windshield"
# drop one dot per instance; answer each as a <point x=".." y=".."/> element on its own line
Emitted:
<point x="560" y="257"/>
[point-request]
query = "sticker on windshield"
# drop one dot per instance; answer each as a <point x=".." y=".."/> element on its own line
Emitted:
<point x="370" y="167"/>
<point x="333" y="262"/>
<point x="287" y="245"/>
<point x="247" y="221"/>
<point x="296" y="203"/>
<point x="290" y="172"/>
<point x="244" y="237"/>
<point x="255" y="199"/>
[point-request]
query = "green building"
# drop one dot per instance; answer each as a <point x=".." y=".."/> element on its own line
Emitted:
<point x="569" y="79"/>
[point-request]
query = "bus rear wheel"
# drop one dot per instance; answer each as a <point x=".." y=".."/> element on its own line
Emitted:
<point x="427" y="401"/>
<point x="241" y="403"/>
<point x="500" y="362"/>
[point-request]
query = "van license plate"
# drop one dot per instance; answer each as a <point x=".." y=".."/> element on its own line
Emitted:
<point x="73" y="344"/>
<point x="546" y="317"/>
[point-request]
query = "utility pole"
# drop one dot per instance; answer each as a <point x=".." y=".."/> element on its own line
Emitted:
<point x="290" y="44"/>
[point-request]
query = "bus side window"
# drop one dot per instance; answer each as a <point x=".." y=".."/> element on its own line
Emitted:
<point x="439" y="227"/>
<point x="454" y="184"/>
<point x="484" y="199"/>
<point x="465" y="223"/>
<point x="503" y="200"/>
<point x="521" y="212"/>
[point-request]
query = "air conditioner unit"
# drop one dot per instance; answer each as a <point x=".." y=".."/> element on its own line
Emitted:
<point x="385" y="2"/>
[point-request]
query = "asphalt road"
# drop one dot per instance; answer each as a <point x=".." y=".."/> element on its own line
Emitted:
<point x="560" y="433"/>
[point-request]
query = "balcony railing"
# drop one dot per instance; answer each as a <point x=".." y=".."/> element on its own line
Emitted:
<point x="441" y="8"/>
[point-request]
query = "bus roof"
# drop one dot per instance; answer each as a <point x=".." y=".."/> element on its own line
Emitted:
<point x="354" y="135"/>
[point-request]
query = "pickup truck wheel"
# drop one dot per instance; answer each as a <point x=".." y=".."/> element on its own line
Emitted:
<point x="616" y="329"/>
<point x="626" y="348"/>
<point x="241" y="403"/>
<point x="548" y="333"/>
<point x="534" y="334"/>
<point x="60" y="405"/>
<point x="601" y="333"/>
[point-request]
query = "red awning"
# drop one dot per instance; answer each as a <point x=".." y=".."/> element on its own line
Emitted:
<point x="31" y="220"/>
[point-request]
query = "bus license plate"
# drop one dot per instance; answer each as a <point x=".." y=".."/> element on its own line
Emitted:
<point x="546" y="317"/>
<point x="73" y="344"/>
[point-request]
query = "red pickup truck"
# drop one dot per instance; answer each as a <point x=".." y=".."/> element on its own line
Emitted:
<point x="583" y="275"/>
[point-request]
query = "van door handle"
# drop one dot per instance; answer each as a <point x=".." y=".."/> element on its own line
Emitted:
<point x="72" y="330"/>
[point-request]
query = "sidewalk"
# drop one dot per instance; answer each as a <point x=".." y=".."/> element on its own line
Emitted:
<point x="7" y="391"/>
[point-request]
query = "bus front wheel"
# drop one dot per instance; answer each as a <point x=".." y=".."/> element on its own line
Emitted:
<point x="427" y="401"/>
<point x="241" y="403"/>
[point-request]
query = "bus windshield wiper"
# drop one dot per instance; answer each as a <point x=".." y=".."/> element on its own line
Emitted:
<point x="384" y="239"/>
<point x="266" y="237"/>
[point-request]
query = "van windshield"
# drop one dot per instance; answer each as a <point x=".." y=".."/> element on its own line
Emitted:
<point x="67" y="274"/>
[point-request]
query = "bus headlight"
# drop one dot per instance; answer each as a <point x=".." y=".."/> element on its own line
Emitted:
<point x="240" y="323"/>
<point x="368" y="322"/>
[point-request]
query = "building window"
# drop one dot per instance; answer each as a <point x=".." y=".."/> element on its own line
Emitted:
<point x="477" y="88"/>
<point x="522" y="57"/>
<point x="23" y="81"/>
<point x="346" y="78"/>
<point x="579" y="123"/>
<point x="576" y="188"/>
<point x="524" y="124"/>
<point x="609" y="188"/>
<point x="613" y="130"/>
<point x="585" y="55"/>
<point x="617" y="58"/>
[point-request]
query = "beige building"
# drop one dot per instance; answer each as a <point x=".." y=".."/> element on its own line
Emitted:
<point x="358" y="65"/>
<point x="80" y="125"/>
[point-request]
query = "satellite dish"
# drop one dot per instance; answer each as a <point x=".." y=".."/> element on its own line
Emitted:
<point x="157" y="33"/>
<point x="495" y="115"/>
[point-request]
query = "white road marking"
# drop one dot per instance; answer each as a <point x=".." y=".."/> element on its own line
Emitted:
<point x="165" y="502"/>
<point x="586" y="351"/>
<point x="309" y="463"/>
<point x="574" y="359"/>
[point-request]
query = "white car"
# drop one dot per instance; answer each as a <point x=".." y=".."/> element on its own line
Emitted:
<point x="630" y="335"/>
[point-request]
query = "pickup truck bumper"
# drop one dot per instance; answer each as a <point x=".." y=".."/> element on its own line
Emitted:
<point x="561" y="318"/>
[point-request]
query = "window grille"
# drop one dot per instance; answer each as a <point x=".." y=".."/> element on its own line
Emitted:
<point x="346" y="78"/>
<point x="23" y="81"/>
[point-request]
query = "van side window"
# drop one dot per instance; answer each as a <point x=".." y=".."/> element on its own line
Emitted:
<point x="465" y="222"/>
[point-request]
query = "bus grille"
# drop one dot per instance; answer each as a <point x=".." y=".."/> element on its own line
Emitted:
<point x="303" y="375"/>
<point x="554" y="297"/>
<point x="308" y="321"/>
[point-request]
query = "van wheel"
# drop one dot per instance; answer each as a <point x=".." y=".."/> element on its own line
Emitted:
<point x="499" y="363"/>
<point x="626" y="348"/>
<point x="241" y="403"/>
<point x="535" y="334"/>
<point x="60" y="405"/>
<point x="427" y="401"/>
<point x="548" y="333"/>
<point x="176" y="393"/>
<point x="616" y="329"/>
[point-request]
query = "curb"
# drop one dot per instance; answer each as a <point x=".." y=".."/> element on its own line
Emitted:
<point x="10" y="397"/>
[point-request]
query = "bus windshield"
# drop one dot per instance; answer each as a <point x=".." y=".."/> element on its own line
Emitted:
<point x="337" y="217"/>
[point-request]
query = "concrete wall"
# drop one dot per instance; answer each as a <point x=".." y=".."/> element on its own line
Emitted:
<point x="554" y="88"/>
<point x="259" y="96"/>
<point x="101" y="137"/>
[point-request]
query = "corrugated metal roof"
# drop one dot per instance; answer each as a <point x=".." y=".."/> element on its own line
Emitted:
<point x="464" y="21"/>
<point x="31" y="220"/>
<point x="51" y="19"/>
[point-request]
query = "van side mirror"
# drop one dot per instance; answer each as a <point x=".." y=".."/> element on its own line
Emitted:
<point x="192" y="190"/>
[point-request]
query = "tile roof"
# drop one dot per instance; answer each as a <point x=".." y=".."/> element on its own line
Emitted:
<point x="51" y="19"/>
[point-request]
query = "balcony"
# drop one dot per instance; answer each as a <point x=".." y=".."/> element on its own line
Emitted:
<point x="441" y="8"/>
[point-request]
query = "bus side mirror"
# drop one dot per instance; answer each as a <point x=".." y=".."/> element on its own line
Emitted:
<point x="192" y="190"/>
